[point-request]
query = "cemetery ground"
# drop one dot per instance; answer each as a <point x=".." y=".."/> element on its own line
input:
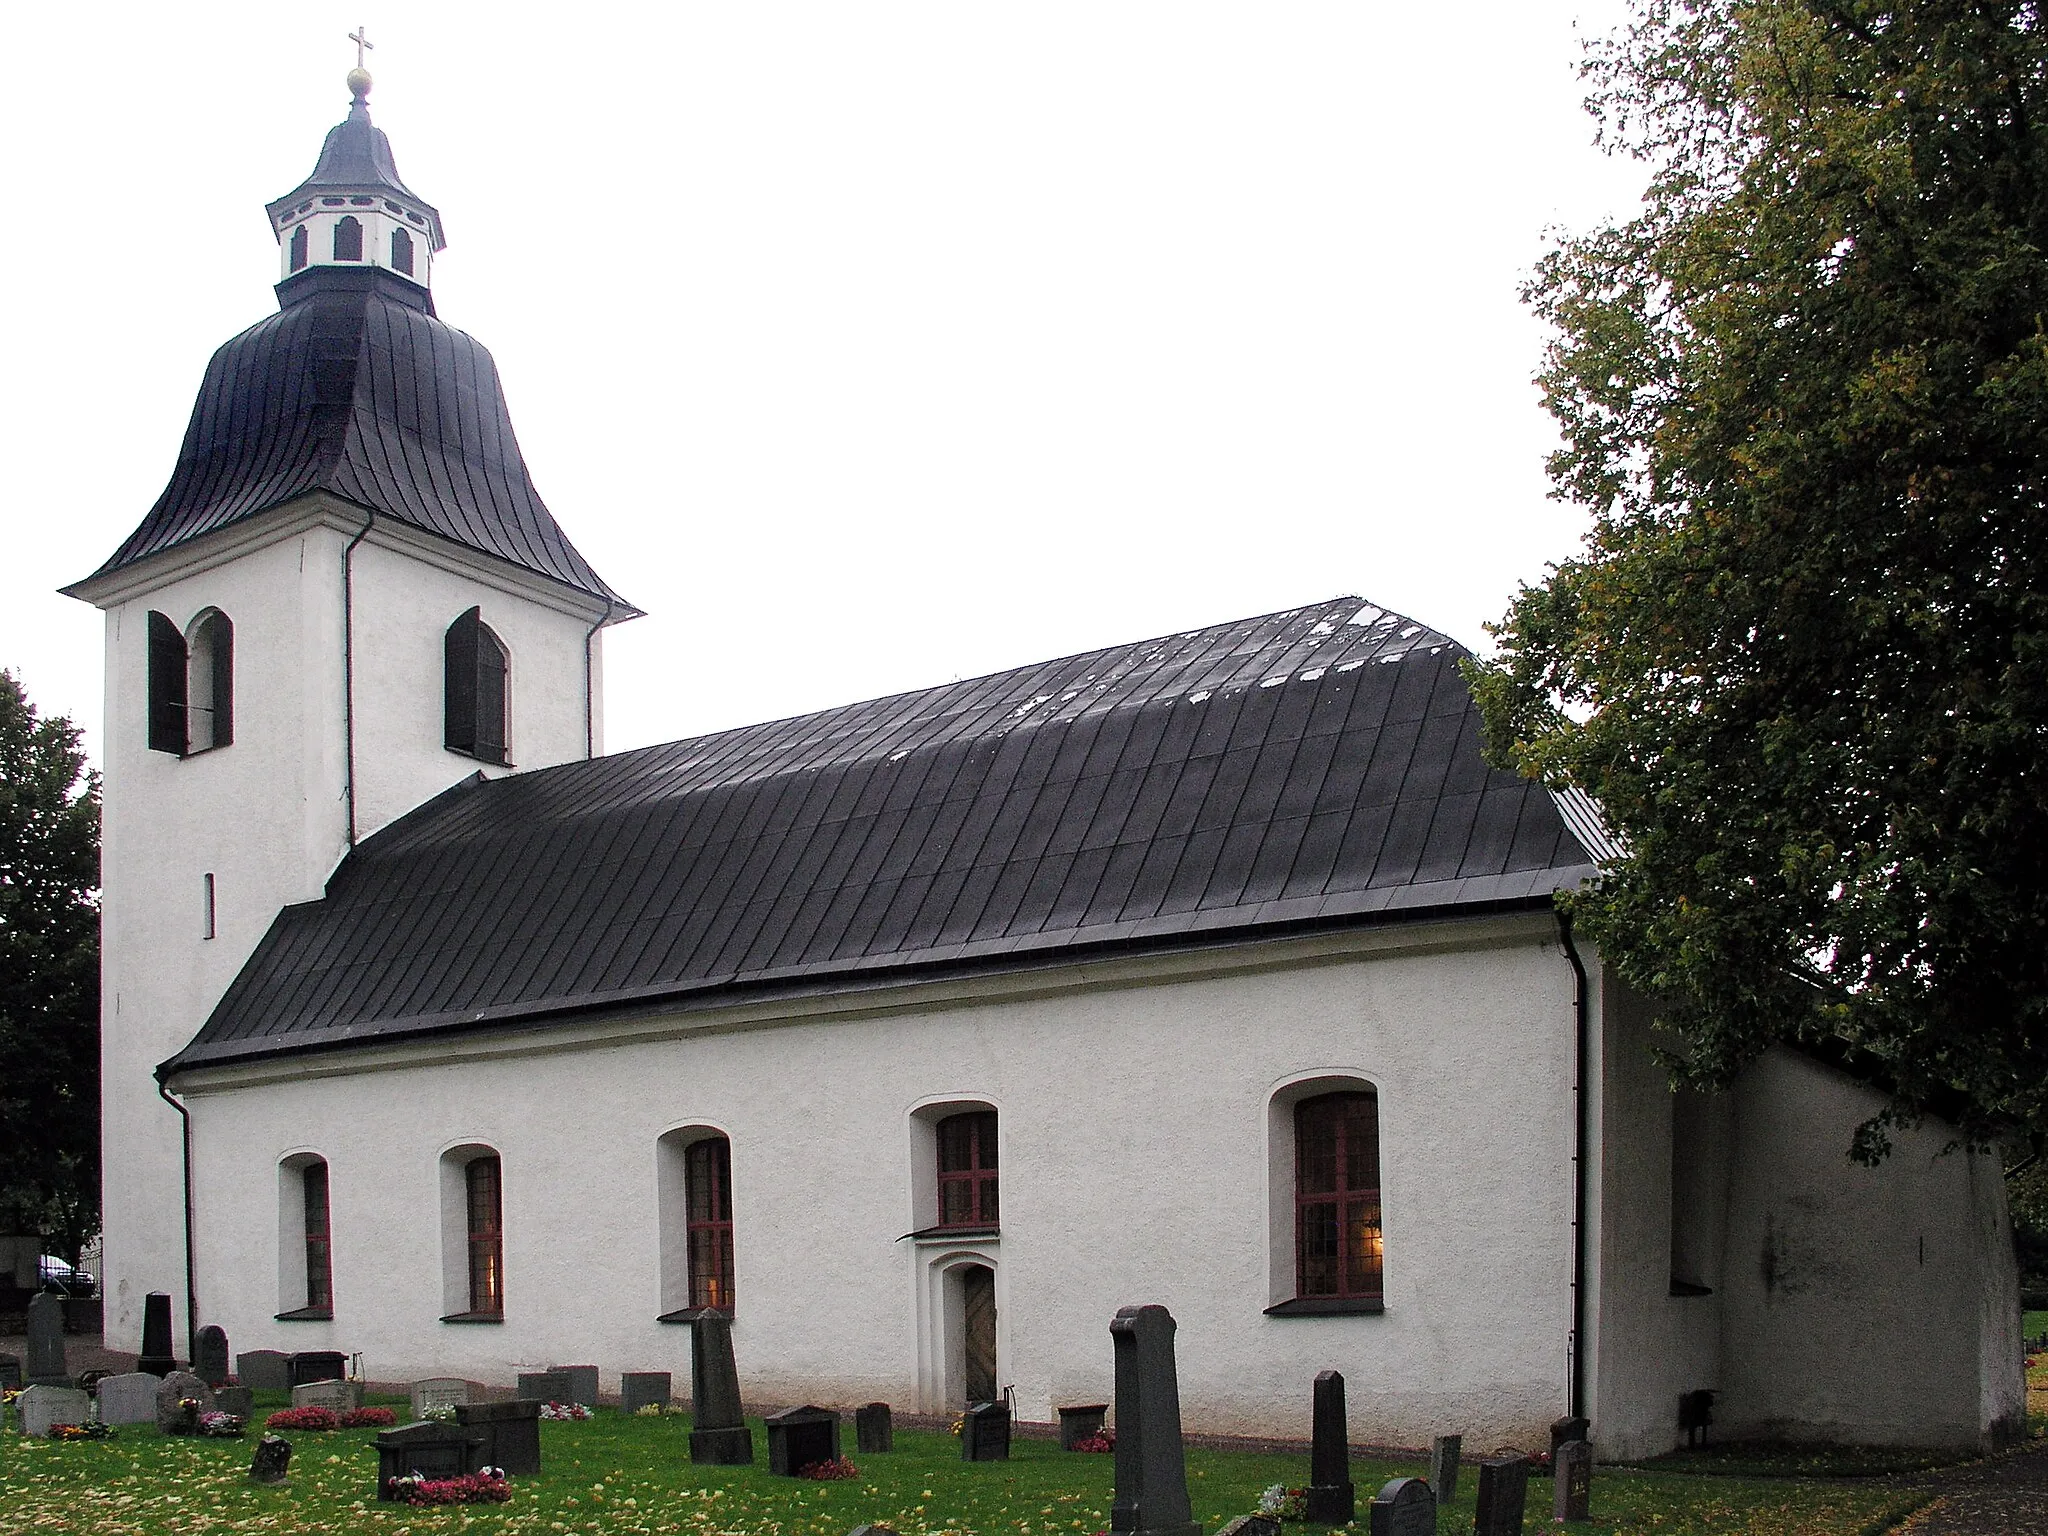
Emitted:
<point x="631" y="1475"/>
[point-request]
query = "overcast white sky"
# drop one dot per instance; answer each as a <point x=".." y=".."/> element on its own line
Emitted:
<point x="865" y="345"/>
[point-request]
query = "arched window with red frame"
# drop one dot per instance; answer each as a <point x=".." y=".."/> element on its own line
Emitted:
<point x="967" y="1170"/>
<point x="707" y="1175"/>
<point x="483" y="1186"/>
<point x="1337" y="1242"/>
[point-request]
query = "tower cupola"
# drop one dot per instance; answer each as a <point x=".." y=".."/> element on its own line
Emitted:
<point x="353" y="212"/>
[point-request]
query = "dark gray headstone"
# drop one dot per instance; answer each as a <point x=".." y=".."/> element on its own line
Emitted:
<point x="874" y="1429"/>
<point x="40" y="1407"/>
<point x="718" y="1436"/>
<point x="172" y="1393"/>
<point x="156" y="1335"/>
<point x="10" y="1372"/>
<point x="1332" y="1500"/>
<point x="267" y="1370"/>
<point x="316" y="1365"/>
<point x="644" y="1389"/>
<point x="1571" y="1427"/>
<point x="272" y="1461"/>
<point x="1503" y="1491"/>
<point x="511" y="1433"/>
<point x="985" y="1432"/>
<point x="1080" y="1422"/>
<point x="1444" y="1452"/>
<point x="582" y="1383"/>
<point x="1572" y="1466"/>
<point x="801" y="1437"/>
<point x="1151" y="1468"/>
<point x="129" y="1398"/>
<point x="428" y="1449"/>
<point x="210" y="1355"/>
<point x="240" y="1401"/>
<point x="546" y="1386"/>
<point x="46" y="1366"/>
<point x="1404" y="1507"/>
<point x="1251" y="1525"/>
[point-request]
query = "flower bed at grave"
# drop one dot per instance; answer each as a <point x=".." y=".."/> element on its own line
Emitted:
<point x="221" y="1426"/>
<point x="369" y="1418"/>
<point x="1284" y="1503"/>
<point x="838" y="1469"/>
<point x="302" y="1418"/>
<point x="92" y="1431"/>
<point x="485" y="1487"/>
<point x="564" y="1411"/>
<point x="1103" y="1440"/>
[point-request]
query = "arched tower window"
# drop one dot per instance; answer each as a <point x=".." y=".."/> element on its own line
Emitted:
<point x="474" y="689"/>
<point x="348" y="238"/>
<point x="166" y="686"/>
<point x="299" y="248"/>
<point x="693" y="1180"/>
<point x="401" y="251"/>
<point x="305" y="1267"/>
<point x="209" y="682"/>
<point x="1337" y="1243"/>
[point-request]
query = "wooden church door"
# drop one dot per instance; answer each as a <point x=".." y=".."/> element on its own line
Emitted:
<point x="978" y="1309"/>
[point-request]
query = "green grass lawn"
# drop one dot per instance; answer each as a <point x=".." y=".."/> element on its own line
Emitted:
<point x="633" y="1476"/>
<point x="2033" y="1325"/>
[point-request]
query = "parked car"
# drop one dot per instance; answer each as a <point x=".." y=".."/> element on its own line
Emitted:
<point x="62" y="1278"/>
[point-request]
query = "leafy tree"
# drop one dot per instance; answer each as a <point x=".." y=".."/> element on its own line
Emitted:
<point x="49" y="977"/>
<point x="1802" y="658"/>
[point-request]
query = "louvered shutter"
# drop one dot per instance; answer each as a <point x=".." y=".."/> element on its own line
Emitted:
<point x="459" y="685"/>
<point x="223" y="679"/>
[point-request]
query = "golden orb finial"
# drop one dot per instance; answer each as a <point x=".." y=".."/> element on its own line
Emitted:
<point x="359" y="83"/>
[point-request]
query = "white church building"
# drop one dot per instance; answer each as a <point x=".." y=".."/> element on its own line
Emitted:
<point x="1215" y="970"/>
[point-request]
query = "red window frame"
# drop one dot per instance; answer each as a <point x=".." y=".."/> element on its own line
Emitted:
<point x="1338" y="1248"/>
<point x="483" y="1182"/>
<point x="967" y="1170"/>
<point x="319" y="1237"/>
<point x="707" y="1184"/>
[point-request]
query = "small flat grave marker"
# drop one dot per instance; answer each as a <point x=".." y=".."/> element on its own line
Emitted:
<point x="438" y="1392"/>
<point x="429" y="1450"/>
<point x="1444" y="1452"/>
<point x="872" y="1530"/>
<point x="272" y="1461"/>
<point x="985" y="1432"/>
<point x="41" y="1407"/>
<point x="266" y="1370"/>
<point x="1503" y="1492"/>
<point x="801" y="1437"/>
<point x="1572" y="1498"/>
<point x="1404" y="1507"/>
<point x="644" y="1389"/>
<point x="874" y="1429"/>
<point x="129" y="1398"/>
<point x="1251" y="1525"/>
<point x="511" y="1433"/>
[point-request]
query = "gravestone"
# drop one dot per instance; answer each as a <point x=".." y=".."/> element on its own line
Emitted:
<point x="1566" y="1429"/>
<point x="172" y="1393"/>
<point x="264" y="1369"/>
<point x="546" y="1386"/>
<point x="316" y="1365"/>
<point x="1503" y="1491"/>
<point x="511" y="1433"/>
<point x="40" y="1407"/>
<point x="129" y="1399"/>
<point x="334" y="1396"/>
<point x="156" y="1335"/>
<point x="1151" y="1468"/>
<point x="46" y="1366"/>
<point x="1572" y="1498"/>
<point x="874" y="1429"/>
<point x="582" y="1383"/>
<point x="801" y="1437"/>
<point x="10" y="1373"/>
<point x="1695" y="1415"/>
<point x="210" y="1355"/>
<point x="718" y="1437"/>
<point x="644" y="1389"/>
<point x="1404" y="1507"/>
<point x="240" y="1401"/>
<point x="1332" y="1499"/>
<point x="1444" y="1452"/>
<point x="438" y="1392"/>
<point x="872" y="1530"/>
<point x="1251" y="1525"/>
<point x="1080" y="1422"/>
<point x="89" y="1381"/>
<point x="985" y="1432"/>
<point x="431" y="1450"/>
<point x="272" y="1461"/>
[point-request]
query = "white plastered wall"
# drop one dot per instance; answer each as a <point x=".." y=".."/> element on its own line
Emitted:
<point x="1135" y="1168"/>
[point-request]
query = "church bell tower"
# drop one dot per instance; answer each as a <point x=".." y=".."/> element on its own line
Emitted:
<point x="348" y="599"/>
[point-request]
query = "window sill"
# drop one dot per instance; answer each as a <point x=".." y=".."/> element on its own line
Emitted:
<point x="951" y="1234"/>
<point x="691" y="1314"/>
<point x="1329" y="1306"/>
<point x="306" y="1315"/>
<point x="474" y="1317"/>
<point x="1689" y="1288"/>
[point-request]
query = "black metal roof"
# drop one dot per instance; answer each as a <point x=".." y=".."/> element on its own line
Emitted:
<point x="1320" y="764"/>
<point x="355" y="388"/>
<point x="356" y="157"/>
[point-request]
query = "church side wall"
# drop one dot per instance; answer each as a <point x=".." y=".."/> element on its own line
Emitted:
<point x="1137" y="1165"/>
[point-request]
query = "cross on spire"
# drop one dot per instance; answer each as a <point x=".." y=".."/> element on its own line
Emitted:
<point x="361" y="41"/>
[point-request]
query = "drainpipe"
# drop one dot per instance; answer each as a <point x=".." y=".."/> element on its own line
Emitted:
<point x="589" y="687"/>
<point x="348" y="669"/>
<point x="191" y="1265"/>
<point x="1575" y="1389"/>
